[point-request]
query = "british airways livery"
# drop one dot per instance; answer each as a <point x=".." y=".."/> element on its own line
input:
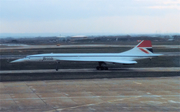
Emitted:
<point x="141" y="51"/>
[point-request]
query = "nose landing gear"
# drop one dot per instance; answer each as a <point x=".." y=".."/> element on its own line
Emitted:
<point x="57" y="65"/>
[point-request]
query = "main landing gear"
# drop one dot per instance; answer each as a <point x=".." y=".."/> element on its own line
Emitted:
<point x="102" y="66"/>
<point x="57" y="65"/>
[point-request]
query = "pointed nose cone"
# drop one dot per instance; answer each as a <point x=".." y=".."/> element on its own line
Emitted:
<point x="18" y="60"/>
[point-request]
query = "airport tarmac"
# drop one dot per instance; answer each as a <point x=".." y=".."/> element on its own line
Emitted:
<point x="86" y="70"/>
<point x="92" y="95"/>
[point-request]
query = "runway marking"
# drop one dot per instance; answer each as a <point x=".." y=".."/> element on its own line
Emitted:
<point x="172" y="101"/>
<point x="137" y="82"/>
<point x="97" y="103"/>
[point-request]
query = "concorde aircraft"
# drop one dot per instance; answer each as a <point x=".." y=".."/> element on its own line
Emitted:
<point x="141" y="51"/>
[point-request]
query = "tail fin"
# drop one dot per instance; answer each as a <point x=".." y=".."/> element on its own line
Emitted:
<point x="144" y="47"/>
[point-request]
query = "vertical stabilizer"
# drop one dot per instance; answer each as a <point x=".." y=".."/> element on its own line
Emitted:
<point x="144" y="47"/>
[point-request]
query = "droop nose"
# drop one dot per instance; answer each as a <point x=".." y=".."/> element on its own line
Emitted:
<point x="18" y="60"/>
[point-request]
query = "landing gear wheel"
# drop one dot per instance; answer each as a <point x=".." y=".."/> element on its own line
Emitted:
<point x="98" y="68"/>
<point x="57" y="66"/>
<point x="106" y="68"/>
<point x="102" y="68"/>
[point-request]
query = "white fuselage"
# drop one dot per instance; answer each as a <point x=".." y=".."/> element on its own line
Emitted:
<point x="83" y="57"/>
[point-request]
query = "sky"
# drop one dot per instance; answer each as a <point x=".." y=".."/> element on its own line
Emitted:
<point x="90" y="16"/>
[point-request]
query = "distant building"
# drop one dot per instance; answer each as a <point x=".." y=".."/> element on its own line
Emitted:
<point x="171" y="39"/>
<point x="78" y="37"/>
